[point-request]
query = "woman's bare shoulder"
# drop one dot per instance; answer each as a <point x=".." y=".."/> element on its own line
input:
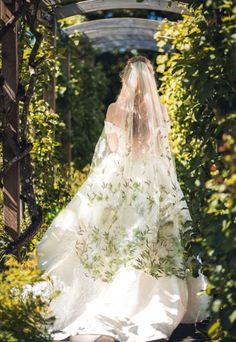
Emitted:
<point x="111" y="111"/>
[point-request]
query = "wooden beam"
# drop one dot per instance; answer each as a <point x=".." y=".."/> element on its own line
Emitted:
<point x="66" y="68"/>
<point x="50" y="93"/>
<point x="126" y="44"/>
<point x="115" y="33"/>
<point x="5" y="13"/>
<point x="122" y="38"/>
<point x="115" y="24"/>
<point x="68" y="114"/>
<point x="87" y="6"/>
<point x="11" y="181"/>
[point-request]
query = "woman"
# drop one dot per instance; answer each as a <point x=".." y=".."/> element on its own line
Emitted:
<point x="116" y="252"/>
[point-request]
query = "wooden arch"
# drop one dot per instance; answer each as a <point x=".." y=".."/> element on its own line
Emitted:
<point x="130" y="43"/>
<point x="87" y="6"/>
<point x="115" y="33"/>
<point x="114" y="24"/>
<point x="106" y="34"/>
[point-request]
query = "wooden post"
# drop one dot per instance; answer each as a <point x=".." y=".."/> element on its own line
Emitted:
<point x="11" y="181"/>
<point x="50" y="93"/>
<point x="68" y="113"/>
<point x="66" y="69"/>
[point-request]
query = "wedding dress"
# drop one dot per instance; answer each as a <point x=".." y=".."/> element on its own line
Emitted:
<point x="115" y="251"/>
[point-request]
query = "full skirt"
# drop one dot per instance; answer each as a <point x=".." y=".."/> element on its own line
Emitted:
<point x="115" y="252"/>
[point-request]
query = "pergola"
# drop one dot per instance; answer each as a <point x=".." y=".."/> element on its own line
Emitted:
<point x="107" y="34"/>
<point x="104" y="34"/>
<point x="82" y="7"/>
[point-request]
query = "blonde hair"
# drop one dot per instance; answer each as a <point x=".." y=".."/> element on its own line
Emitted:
<point x="134" y="59"/>
<point x="139" y="109"/>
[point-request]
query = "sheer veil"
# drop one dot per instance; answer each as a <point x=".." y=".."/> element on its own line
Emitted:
<point x="131" y="199"/>
<point x="128" y="216"/>
<point x="142" y="119"/>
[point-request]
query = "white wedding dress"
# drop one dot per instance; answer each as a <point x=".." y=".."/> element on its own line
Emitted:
<point x="116" y="250"/>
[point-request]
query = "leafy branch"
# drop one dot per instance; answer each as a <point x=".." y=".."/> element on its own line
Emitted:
<point x="22" y="149"/>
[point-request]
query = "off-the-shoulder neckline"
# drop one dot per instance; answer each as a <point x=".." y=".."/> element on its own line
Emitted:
<point x="111" y="123"/>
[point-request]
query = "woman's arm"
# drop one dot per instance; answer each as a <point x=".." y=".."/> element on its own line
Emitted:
<point x="112" y="138"/>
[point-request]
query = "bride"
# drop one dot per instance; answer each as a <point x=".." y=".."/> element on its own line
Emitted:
<point x="116" y="251"/>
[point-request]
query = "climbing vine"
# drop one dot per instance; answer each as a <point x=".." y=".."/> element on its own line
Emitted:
<point x="17" y="305"/>
<point x="48" y="181"/>
<point x="197" y="66"/>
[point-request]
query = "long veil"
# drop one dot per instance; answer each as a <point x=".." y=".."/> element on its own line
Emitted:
<point x="131" y="200"/>
<point x="130" y="212"/>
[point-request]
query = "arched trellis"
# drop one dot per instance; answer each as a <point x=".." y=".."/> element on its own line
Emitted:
<point x="106" y="34"/>
<point x="87" y="6"/>
<point x="114" y="23"/>
<point x="144" y="44"/>
<point x="99" y="36"/>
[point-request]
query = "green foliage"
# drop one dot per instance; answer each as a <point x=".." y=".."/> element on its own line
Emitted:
<point x="24" y="315"/>
<point x="67" y="181"/>
<point x="197" y="66"/>
<point x="55" y="180"/>
<point x="82" y="95"/>
<point x="44" y="129"/>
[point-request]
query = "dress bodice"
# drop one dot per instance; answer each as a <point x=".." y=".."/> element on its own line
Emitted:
<point x="120" y="134"/>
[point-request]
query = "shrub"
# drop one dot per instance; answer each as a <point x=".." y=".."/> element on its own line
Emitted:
<point x="197" y="66"/>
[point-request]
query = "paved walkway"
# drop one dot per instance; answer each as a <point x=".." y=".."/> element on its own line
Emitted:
<point x="190" y="332"/>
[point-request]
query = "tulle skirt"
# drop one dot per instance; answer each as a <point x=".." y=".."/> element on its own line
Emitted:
<point x="97" y="252"/>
